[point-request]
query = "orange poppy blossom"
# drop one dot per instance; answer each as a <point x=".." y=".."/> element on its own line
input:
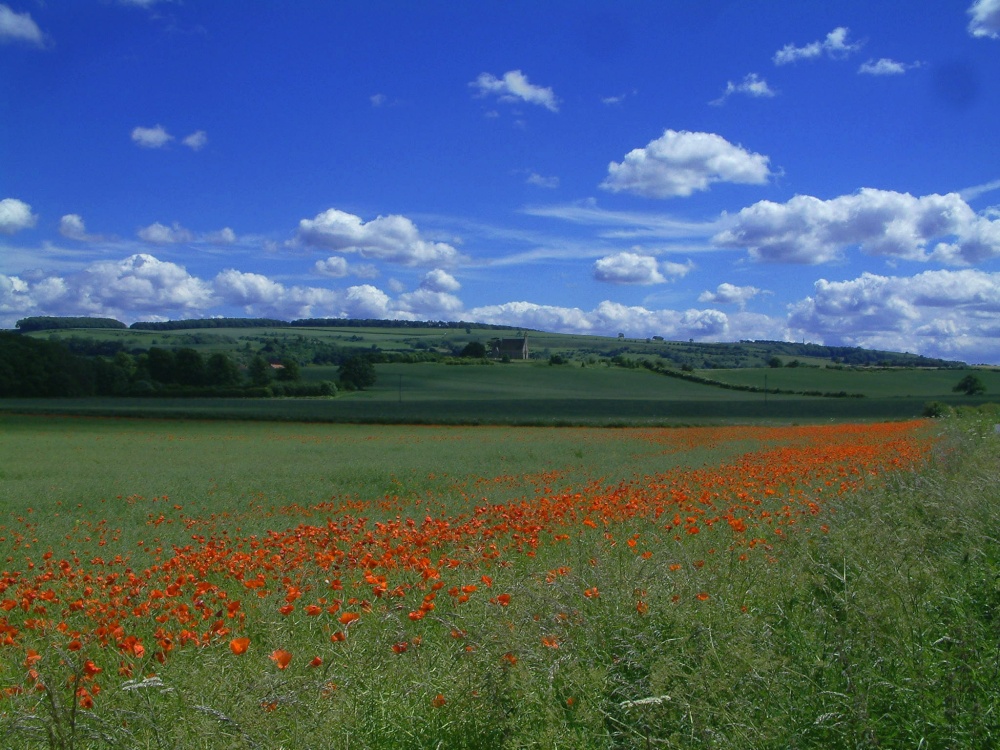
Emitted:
<point x="281" y="658"/>
<point x="239" y="645"/>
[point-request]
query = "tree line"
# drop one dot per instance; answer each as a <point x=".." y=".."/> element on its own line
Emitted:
<point x="36" y="368"/>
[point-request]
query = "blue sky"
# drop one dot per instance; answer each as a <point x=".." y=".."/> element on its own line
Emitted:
<point x="694" y="169"/>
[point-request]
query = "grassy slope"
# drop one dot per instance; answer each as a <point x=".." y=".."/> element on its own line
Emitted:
<point x="534" y="392"/>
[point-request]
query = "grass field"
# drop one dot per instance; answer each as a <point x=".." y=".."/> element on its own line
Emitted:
<point x="536" y="393"/>
<point x="350" y="586"/>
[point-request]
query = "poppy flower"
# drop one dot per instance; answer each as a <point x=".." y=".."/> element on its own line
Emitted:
<point x="281" y="658"/>
<point x="239" y="645"/>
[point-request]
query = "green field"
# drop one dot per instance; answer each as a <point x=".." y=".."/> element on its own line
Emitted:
<point x="243" y="584"/>
<point x="602" y="380"/>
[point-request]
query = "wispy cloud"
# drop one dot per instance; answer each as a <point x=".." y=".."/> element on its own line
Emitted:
<point x="886" y="67"/>
<point x="835" y="45"/>
<point x="19" y="27"/>
<point x="752" y="85"/>
<point x="514" y="87"/>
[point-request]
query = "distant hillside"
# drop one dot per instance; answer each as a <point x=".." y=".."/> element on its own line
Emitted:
<point x="429" y="339"/>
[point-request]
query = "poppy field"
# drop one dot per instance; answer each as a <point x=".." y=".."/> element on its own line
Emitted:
<point x="178" y="584"/>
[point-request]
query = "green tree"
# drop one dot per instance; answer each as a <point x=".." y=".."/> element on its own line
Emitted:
<point x="970" y="385"/>
<point x="221" y="370"/>
<point x="290" y="370"/>
<point x="260" y="371"/>
<point x="189" y="367"/>
<point x="160" y="363"/>
<point x="474" y="349"/>
<point x="357" y="373"/>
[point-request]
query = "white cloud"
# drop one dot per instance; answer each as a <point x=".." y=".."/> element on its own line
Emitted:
<point x="335" y="267"/>
<point x="196" y="141"/>
<point x="880" y="222"/>
<point x="971" y="193"/>
<point x="886" y="67"/>
<point x="608" y="319"/>
<point x="138" y="286"/>
<point x="224" y="236"/>
<point x="514" y="87"/>
<point x="259" y="295"/>
<point x="730" y="294"/>
<point x="952" y="314"/>
<point x="390" y="238"/>
<point x="156" y="137"/>
<point x="143" y="283"/>
<point x="158" y="234"/>
<point x="680" y="162"/>
<point x="429" y="303"/>
<point x="19" y="27"/>
<point x="751" y="85"/>
<point x="543" y="182"/>
<point x="15" y="215"/>
<point x="985" y="20"/>
<point x="439" y="280"/>
<point x="71" y="227"/>
<point x="628" y="268"/>
<point x="835" y="45"/>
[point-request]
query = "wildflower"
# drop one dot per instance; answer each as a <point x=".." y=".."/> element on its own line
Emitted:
<point x="281" y="658"/>
<point x="239" y="645"/>
<point x="438" y="700"/>
<point x="316" y="661"/>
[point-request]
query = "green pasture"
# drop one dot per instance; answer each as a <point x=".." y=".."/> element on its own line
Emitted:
<point x="875" y="383"/>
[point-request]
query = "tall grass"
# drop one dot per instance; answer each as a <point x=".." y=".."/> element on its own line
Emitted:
<point x="881" y="630"/>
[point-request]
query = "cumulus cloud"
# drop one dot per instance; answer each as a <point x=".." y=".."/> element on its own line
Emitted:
<point x="224" y="236"/>
<point x="390" y="238"/>
<point x="985" y="21"/>
<point x="730" y="294"/>
<point x="835" y="45"/>
<point x="196" y="141"/>
<point x="139" y="285"/>
<point x="427" y="303"/>
<point x="19" y="27"/>
<point x="608" y="319"/>
<point x="941" y="313"/>
<point x="156" y="137"/>
<point x="439" y="280"/>
<point x="628" y="268"/>
<point x="71" y="227"/>
<point x="15" y="215"/>
<point x="880" y="222"/>
<point x="751" y="85"/>
<point x="515" y="87"/>
<point x="886" y="67"/>
<point x="159" y="234"/>
<point x="680" y="162"/>
<point x="260" y="295"/>
<point x="335" y="267"/>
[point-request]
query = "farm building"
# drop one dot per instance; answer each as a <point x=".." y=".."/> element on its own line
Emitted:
<point x="511" y="348"/>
